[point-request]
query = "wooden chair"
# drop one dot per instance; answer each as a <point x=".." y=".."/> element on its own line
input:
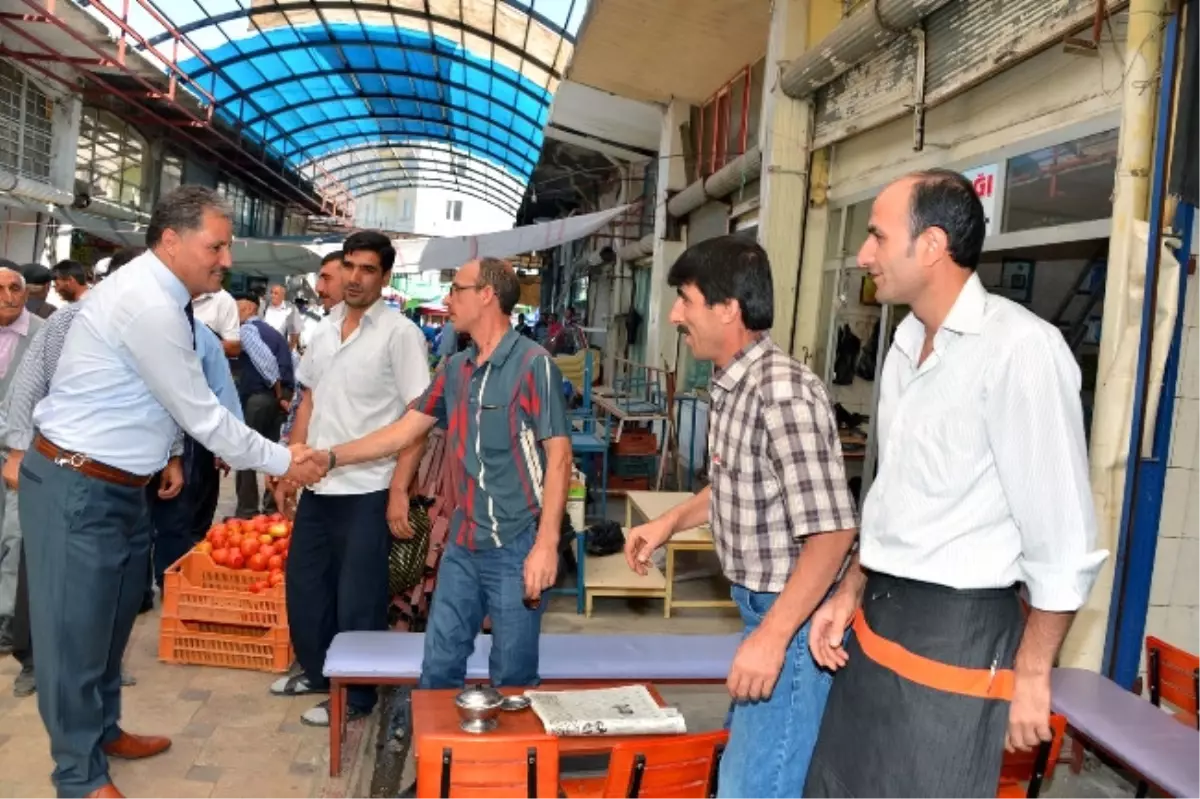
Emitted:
<point x="478" y="766"/>
<point x="675" y="766"/>
<point x="1022" y="773"/>
<point x="1173" y="676"/>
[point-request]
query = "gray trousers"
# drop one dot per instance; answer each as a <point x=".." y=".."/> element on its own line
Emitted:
<point x="87" y="568"/>
<point x="10" y="549"/>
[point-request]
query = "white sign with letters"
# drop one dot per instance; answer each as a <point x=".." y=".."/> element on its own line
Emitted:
<point x="984" y="180"/>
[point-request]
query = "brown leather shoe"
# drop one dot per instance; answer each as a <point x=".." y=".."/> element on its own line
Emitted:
<point x="106" y="792"/>
<point x="135" y="747"/>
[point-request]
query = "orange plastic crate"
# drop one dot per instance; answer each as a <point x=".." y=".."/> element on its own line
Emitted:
<point x="201" y="643"/>
<point x="196" y="589"/>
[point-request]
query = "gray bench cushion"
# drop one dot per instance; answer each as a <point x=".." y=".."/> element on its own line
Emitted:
<point x="1144" y="737"/>
<point x="397" y="656"/>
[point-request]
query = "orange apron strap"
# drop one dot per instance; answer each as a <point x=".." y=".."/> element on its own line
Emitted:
<point x="981" y="683"/>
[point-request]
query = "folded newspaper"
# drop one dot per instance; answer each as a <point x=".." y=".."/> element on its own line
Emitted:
<point x="627" y="710"/>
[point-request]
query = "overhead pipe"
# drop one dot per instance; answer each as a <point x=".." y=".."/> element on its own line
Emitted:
<point x="859" y="37"/>
<point x="725" y="181"/>
<point x="637" y="249"/>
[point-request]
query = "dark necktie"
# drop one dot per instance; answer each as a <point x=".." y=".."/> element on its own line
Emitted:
<point x="191" y="317"/>
<point x="188" y="444"/>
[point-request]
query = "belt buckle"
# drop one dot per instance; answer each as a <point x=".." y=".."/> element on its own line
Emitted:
<point x="74" y="460"/>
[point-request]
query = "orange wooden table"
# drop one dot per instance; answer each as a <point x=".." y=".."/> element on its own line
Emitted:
<point x="434" y="713"/>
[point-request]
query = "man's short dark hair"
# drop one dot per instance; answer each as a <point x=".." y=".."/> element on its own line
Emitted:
<point x="729" y="268"/>
<point x="503" y="279"/>
<point x="336" y="255"/>
<point x="122" y="257"/>
<point x="371" y="241"/>
<point x="943" y="198"/>
<point x="182" y="209"/>
<point x="72" y="269"/>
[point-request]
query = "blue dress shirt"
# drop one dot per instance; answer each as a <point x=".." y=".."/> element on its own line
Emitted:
<point x="129" y="373"/>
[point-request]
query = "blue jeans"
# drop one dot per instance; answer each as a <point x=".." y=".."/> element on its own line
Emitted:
<point x="471" y="585"/>
<point x="772" y="741"/>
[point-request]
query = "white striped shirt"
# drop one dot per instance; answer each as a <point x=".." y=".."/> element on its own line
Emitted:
<point x="983" y="472"/>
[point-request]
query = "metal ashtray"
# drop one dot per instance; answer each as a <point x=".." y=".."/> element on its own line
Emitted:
<point x="515" y="702"/>
<point x="478" y="708"/>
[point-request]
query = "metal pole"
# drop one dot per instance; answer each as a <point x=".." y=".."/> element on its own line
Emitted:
<point x="1134" y="545"/>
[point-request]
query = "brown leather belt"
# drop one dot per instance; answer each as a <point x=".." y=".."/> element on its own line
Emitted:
<point x="86" y="466"/>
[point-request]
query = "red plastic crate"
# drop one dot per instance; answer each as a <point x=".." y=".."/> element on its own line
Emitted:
<point x="196" y="589"/>
<point x="201" y="643"/>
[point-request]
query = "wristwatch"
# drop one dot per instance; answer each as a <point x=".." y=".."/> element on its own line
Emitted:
<point x="332" y="460"/>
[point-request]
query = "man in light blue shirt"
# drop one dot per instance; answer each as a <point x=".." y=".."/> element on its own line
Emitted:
<point x="128" y="378"/>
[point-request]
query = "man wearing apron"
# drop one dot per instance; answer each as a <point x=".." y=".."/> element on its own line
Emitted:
<point x="982" y="485"/>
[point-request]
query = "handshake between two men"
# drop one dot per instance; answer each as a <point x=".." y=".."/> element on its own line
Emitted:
<point x="309" y="466"/>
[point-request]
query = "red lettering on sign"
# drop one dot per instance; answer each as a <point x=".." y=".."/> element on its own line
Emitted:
<point x="984" y="185"/>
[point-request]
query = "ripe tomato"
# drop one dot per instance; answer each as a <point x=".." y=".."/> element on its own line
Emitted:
<point x="276" y="517"/>
<point x="267" y="550"/>
<point x="256" y="588"/>
<point x="249" y="546"/>
<point x="283" y="544"/>
<point x="236" y="559"/>
<point x="275" y="563"/>
<point x="257" y="563"/>
<point x="204" y="546"/>
<point x="262" y="517"/>
<point x="221" y="556"/>
<point x="276" y="578"/>
<point x="220" y="540"/>
<point x="263" y="538"/>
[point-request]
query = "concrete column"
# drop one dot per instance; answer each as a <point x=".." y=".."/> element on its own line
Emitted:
<point x="661" y="338"/>
<point x="1123" y="291"/>
<point x="784" y="136"/>
<point x="810" y="338"/>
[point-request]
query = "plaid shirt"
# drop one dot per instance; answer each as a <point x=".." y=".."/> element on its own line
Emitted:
<point x="776" y="465"/>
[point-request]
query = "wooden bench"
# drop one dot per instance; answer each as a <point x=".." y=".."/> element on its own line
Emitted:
<point x="387" y="658"/>
<point x="610" y="575"/>
<point x="1143" y="737"/>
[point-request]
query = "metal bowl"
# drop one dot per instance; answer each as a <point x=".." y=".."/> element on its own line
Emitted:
<point x="478" y="708"/>
<point x="515" y="702"/>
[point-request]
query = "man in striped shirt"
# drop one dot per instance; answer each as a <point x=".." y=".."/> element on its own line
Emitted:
<point x="502" y="404"/>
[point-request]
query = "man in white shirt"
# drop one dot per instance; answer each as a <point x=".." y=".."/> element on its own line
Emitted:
<point x="128" y="379"/>
<point x="218" y="309"/>
<point x="982" y="485"/>
<point x="366" y="364"/>
<point x="283" y="316"/>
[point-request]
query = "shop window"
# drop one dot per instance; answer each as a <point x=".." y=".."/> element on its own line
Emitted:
<point x="454" y="210"/>
<point x="171" y="175"/>
<point x="25" y="125"/>
<point x="1062" y="184"/>
<point x="726" y="124"/>
<point x="110" y="158"/>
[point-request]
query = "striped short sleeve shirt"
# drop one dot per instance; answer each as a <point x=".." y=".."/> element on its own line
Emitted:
<point x="776" y="468"/>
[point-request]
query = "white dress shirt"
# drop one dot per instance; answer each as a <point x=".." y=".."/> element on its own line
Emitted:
<point x="360" y="385"/>
<point x="284" y="318"/>
<point x="219" y="311"/>
<point x="128" y="373"/>
<point x="983" y="471"/>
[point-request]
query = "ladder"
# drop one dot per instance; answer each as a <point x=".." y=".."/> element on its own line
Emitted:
<point x="1082" y="304"/>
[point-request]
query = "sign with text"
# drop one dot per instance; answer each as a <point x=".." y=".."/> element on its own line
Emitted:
<point x="984" y="180"/>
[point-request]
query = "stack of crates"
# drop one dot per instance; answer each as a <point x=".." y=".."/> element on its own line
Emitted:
<point x="633" y="461"/>
<point x="210" y="617"/>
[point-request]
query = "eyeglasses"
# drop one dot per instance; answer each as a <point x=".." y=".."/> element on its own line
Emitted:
<point x="455" y="288"/>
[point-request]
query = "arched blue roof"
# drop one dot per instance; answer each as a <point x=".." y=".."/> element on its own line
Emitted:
<point x="371" y="96"/>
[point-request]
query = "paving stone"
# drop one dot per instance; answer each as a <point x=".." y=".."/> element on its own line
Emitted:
<point x="204" y="773"/>
<point x="194" y="695"/>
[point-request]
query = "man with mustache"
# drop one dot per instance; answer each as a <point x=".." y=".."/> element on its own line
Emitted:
<point x="780" y="510"/>
<point x="128" y="379"/>
<point x="17" y="329"/>
<point x="365" y="364"/>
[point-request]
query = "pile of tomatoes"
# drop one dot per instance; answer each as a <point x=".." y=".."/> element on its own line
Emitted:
<point x="260" y="544"/>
